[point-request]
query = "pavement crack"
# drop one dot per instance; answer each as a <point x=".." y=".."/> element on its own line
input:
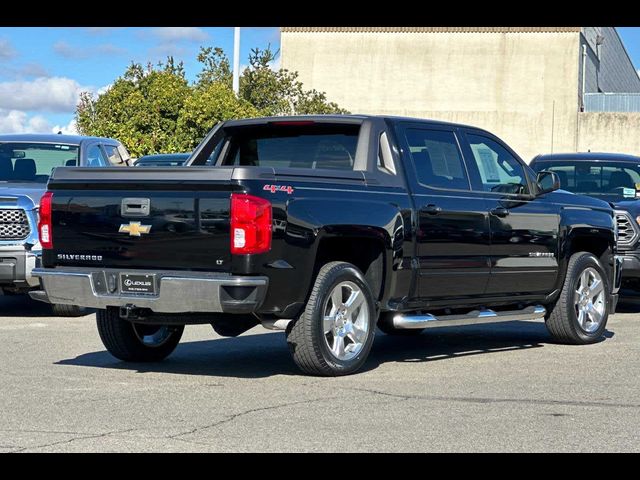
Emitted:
<point x="488" y="400"/>
<point x="70" y="440"/>
<point x="231" y="418"/>
<point x="21" y="430"/>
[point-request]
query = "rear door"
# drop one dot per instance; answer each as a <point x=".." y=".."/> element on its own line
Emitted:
<point x="524" y="229"/>
<point x="452" y="231"/>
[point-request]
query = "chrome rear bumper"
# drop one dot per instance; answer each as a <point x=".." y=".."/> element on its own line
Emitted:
<point x="176" y="292"/>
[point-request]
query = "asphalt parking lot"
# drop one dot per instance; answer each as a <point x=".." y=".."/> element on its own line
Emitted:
<point x="502" y="387"/>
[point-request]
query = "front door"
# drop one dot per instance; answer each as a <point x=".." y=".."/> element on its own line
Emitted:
<point x="452" y="230"/>
<point x="524" y="230"/>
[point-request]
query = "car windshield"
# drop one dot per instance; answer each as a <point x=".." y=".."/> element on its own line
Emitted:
<point x="33" y="162"/>
<point x="610" y="180"/>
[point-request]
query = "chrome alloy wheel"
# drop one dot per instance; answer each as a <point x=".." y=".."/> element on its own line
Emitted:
<point x="345" y="320"/>
<point x="590" y="300"/>
<point x="152" y="335"/>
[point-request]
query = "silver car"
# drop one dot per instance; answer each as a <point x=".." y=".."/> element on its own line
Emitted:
<point x="26" y="162"/>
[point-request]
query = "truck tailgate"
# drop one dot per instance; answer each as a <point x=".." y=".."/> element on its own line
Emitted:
<point x="151" y="218"/>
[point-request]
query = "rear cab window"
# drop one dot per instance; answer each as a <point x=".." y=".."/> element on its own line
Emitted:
<point x="316" y="146"/>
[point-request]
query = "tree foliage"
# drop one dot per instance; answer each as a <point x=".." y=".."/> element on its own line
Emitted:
<point x="154" y="109"/>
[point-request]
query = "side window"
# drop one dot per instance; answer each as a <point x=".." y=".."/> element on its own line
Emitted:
<point x="124" y="153"/>
<point x="499" y="171"/>
<point x="113" y="154"/>
<point x="437" y="158"/>
<point x="95" y="157"/>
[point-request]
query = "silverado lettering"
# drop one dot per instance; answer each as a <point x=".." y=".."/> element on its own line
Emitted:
<point x="68" y="256"/>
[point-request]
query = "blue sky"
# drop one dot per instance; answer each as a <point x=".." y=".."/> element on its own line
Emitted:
<point x="42" y="70"/>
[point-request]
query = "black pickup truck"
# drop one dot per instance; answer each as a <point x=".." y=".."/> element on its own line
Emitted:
<point x="326" y="227"/>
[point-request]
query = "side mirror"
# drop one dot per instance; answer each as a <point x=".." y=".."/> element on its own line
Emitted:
<point x="548" y="182"/>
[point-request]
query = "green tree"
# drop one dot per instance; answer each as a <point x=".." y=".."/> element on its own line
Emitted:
<point x="279" y="92"/>
<point x="204" y="107"/>
<point x="154" y="109"/>
<point x="141" y="108"/>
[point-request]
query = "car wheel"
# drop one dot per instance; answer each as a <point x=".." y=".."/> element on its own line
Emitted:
<point x="136" y="342"/>
<point x="581" y="312"/>
<point x="335" y="333"/>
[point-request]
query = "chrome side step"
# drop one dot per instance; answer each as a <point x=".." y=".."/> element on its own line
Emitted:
<point x="401" y="320"/>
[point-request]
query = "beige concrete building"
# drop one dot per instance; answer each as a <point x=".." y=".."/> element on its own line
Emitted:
<point x="523" y="83"/>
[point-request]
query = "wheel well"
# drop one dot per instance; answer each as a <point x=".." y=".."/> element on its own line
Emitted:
<point x="365" y="253"/>
<point x="597" y="245"/>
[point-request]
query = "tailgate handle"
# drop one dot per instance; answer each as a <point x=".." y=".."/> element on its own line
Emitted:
<point x="135" y="207"/>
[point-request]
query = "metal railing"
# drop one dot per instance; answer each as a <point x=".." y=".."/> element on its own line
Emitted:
<point x="612" y="102"/>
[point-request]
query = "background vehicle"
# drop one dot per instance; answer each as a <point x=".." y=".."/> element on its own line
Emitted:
<point x="26" y="162"/>
<point x="612" y="177"/>
<point x="162" y="160"/>
<point x="327" y="226"/>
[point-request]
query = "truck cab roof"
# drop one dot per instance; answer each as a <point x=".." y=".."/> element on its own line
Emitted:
<point x="52" y="138"/>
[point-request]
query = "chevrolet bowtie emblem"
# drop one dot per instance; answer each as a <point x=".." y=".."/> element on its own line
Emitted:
<point x="134" y="229"/>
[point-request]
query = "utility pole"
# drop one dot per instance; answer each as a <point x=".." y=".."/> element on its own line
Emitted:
<point x="236" y="61"/>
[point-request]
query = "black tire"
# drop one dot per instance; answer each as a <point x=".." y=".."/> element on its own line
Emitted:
<point x="385" y="324"/>
<point x="122" y="338"/>
<point x="562" y="321"/>
<point x="60" y="310"/>
<point x="306" y="338"/>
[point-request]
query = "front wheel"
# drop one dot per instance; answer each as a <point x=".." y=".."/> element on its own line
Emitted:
<point x="580" y="315"/>
<point x="335" y="333"/>
<point x="136" y="342"/>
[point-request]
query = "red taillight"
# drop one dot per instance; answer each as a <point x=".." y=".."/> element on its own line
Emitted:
<point x="44" y="224"/>
<point x="250" y="224"/>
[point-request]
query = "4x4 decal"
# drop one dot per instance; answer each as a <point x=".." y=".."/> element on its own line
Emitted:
<point x="278" y="188"/>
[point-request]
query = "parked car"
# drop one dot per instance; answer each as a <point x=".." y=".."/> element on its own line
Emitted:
<point x="326" y="226"/>
<point x="612" y="177"/>
<point x="26" y="162"/>
<point x="162" y="160"/>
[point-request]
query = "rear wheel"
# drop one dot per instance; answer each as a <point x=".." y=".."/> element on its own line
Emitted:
<point x="136" y="342"/>
<point x="335" y="333"/>
<point x="580" y="315"/>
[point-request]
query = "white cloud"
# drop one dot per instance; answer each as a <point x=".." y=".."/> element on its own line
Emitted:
<point x="174" y="34"/>
<point x="54" y="94"/>
<point x="6" y="50"/>
<point x="16" y="121"/>
<point x="33" y="69"/>
<point x="69" y="129"/>
<point x="67" y="50"/>
<point x="104" y="89"/>
<point x="167" y="50"/>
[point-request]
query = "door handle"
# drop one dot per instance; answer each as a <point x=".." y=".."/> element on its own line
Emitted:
<point x="499" y="212"/>
<point x="135" y="207"/>
<point x="431" y="209"/>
